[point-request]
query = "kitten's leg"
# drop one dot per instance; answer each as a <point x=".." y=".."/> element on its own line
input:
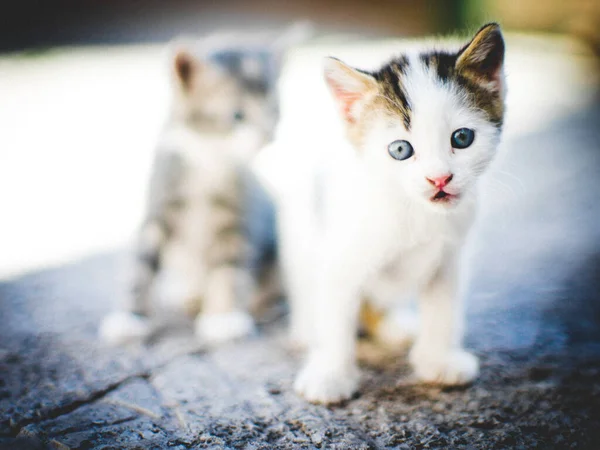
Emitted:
<point x="331" y="374"/>
<point x="222" y="318"/>
<point x="297" y="261"/>
<point x="132" y="323"/>
<point x="438" y="356"/>
<point x="229" y="280"/>
<point x="264" y="302"/>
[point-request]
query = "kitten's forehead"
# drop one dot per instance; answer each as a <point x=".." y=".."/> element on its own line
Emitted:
<point x="393" y="88"/>
<point x="429" y="79"/>
<point x="430" y="94"/>
<point x="254" y="68"/>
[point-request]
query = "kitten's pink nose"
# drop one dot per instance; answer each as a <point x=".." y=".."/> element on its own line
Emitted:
<point x="441" y="181"/>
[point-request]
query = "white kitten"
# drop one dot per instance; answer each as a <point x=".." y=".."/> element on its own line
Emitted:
<point x="388" y="215"/>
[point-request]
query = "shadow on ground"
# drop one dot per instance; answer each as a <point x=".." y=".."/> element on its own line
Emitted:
<point x="534" y="320"/>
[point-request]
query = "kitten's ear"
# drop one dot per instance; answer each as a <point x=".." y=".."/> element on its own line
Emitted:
<point x="483" y="58"/>
<point x="349" y="87"/>
<point x="186" y="68"/>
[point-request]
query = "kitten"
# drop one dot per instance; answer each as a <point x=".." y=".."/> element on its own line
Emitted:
<point x="393" y="209"/>
<point x="208" y="224"/>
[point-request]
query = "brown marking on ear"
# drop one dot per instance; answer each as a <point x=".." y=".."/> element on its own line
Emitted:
<point x="185" y="66"/>
<point x="479" y="69"/>
<point x="482" y="59"/>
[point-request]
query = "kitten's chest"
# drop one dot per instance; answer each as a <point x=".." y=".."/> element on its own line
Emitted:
<point x="414" y="244"/>
<point x="405" y="271"/>
<point x="210" y="192"/>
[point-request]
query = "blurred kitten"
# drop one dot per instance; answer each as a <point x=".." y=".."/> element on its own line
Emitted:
<point x="208" y="227"/>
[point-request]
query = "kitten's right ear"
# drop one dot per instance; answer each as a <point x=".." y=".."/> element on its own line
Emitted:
<point x="186" y="68"/>
<point x="349" y="87"/>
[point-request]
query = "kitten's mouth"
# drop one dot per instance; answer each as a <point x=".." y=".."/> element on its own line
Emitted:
<point x="442" y="196"/>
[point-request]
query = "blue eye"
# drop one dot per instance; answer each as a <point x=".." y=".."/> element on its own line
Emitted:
<point x="400" y="150"/>
<point x="462" y="138"/>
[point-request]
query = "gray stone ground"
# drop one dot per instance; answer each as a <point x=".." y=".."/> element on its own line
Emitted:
<point x="534" y="319"/>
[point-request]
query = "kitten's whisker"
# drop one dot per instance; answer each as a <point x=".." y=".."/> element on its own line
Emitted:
<point x="512" y="176"/>
<point x="507" y="188"/>
<point x="520" y="188"/>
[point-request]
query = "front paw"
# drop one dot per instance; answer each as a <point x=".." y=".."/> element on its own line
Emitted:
<point x="455" y="367"/>
<point x="319" y="382"/>
<point x="220" y="328"/>
<point x="122" y="327"/>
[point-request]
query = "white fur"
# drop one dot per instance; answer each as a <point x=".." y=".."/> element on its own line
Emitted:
<point x="371" y="215"/>
<point x="398" y="328"/>
<point x="122" y="327"/>
<point x="223" y="327"/>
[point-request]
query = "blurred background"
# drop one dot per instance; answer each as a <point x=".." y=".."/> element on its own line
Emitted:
<point x="83" y="93"/>
<point x="41" y="24"/>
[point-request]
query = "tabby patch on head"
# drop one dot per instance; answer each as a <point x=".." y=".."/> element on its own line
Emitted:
<point x="429" y="120"/>
<point x="220" y="89"/>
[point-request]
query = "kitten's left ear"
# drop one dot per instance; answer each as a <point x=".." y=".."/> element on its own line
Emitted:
<point x="482" y="59"/>
<point x="349" y="88"/>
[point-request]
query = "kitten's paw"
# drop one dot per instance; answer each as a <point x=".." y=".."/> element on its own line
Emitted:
<point x="120" y="327"/>
<point x="457" y="367"/>
<point x="318" y="382"/>
<point x="220" y="328"/>
<point x="398" y="329"/>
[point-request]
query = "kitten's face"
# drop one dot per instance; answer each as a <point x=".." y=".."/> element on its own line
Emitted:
<point x="440" y="156"/>
<point x="225" y="91"/>
<point x="427" y="125"/>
